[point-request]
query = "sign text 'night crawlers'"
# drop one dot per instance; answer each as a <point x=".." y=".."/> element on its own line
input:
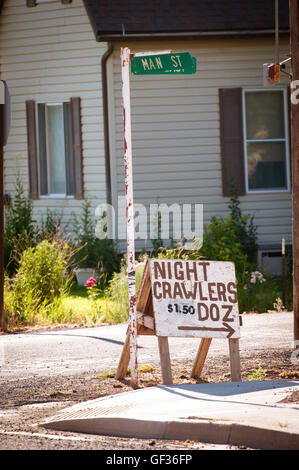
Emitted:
<point x="195" y="298"/>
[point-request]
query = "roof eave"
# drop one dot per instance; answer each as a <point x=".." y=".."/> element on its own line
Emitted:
<point x="103" y="37"/>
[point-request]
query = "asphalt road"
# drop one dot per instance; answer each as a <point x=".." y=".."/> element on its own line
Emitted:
<point x="95" y="350"/>
<point x="44" y="371"/>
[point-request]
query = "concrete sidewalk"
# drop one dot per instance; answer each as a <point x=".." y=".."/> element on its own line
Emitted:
<point x="233" y="413"/>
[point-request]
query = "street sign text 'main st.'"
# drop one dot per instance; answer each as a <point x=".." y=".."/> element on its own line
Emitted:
<point x="169" y="63"/>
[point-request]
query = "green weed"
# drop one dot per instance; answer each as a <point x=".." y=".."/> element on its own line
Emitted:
<point x="257" y="374"/>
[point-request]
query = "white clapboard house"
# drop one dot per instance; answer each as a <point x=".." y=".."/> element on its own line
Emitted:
<point x="192" y="134"/>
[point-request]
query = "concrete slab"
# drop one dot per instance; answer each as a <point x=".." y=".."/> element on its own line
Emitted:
<point x="233" y="413"/>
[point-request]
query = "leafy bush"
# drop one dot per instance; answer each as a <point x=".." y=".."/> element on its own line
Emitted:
<point x="19" y="229"/>
<point x="257" y="374"/>
<point x="43" y="270"/>
<point x="50" y="227"/>
<point x="178" y="252"/>
<point x="94" y="252"/>
<point x="245" y="230"/>
<point x="258" y="292"/>
<point x="41" y="279"/>
<point x="234" y="239"/>
<point x="119" y="294"/>
<point x="220" y="243"/>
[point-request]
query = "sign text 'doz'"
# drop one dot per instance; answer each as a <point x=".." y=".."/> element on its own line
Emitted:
<point x="195" y="298"/>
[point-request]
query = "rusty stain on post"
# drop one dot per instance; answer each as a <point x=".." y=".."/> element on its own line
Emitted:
<point x="125" y="69"/>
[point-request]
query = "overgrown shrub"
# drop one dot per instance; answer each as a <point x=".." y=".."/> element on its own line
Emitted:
<point x="94" y="252"/>
<point x="20" y="230"/>
<point x="43" y="269"/>
<point x="258" y="292"/>
<point x="245" y="229"/>
<point x="178" y="252"/>
<point x="41" y="278"/>
<point x="50" y="226"/>
<point x="220" y="243"/>
<point x="119" y="294"/>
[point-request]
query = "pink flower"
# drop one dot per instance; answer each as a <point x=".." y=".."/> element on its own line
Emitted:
<point x="256" y="275"/>
<point x="90" y="282"/>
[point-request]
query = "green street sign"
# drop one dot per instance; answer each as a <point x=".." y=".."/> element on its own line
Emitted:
<point x="170" y="63"/>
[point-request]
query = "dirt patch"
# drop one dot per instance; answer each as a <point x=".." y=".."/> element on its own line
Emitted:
<point x="26" y="404"/>
<point x="292" y="398"/>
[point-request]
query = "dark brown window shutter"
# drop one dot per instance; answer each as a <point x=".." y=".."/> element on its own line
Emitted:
<point x="66" y="1"/>
<point x="231" y="139"/>
<point x="32" y="149"/>
<point x="75" y="109"/>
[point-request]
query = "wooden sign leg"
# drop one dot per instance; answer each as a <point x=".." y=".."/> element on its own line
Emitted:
<point x="234" y="355"/>
<point x="201" y="357"/>
<point x="165" y="360"/>
<point x="124" y="360"/>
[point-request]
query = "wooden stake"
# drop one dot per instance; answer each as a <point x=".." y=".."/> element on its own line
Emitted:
<point x="201" y="357"/>
<point x="165" y="360"/>
<point x="124" y="360"/>
<point x="234" y="355"/>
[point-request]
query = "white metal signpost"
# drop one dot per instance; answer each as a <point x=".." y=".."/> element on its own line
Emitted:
<point x="176" y="297"/>
<point x="162" y="63"/>
<point x="125" y="67"/>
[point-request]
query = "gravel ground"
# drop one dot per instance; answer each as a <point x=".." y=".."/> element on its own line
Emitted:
<point x="24" y="405"/>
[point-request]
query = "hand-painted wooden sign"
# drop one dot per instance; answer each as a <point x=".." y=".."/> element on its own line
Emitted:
<point x="187" y="298"/>
<point x="170" y="63"/>
<point x="195" y="298"/>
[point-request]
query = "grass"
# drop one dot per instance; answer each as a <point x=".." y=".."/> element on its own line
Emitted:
<point x="257" y="374"/>
<point x="143" y="368"/>
<point x="76" y="307"/>
<point x="73" y="307"/>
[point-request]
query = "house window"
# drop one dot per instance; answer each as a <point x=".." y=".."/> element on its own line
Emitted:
<point x="55" y="149"/>
<point x="54" y="140"/>
<point x="265" y="140"/>
<point x="254" y="140"/>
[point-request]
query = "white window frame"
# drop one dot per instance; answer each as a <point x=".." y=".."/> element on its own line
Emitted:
<point x="50" y="195"/>
<point x="285" y="139"/>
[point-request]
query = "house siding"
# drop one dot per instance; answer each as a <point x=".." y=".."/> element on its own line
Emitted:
<point x="48" y="53"/>
<point x="176" y="130"/>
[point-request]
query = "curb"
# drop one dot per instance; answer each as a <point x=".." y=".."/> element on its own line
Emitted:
<point x="210" y="431"/>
